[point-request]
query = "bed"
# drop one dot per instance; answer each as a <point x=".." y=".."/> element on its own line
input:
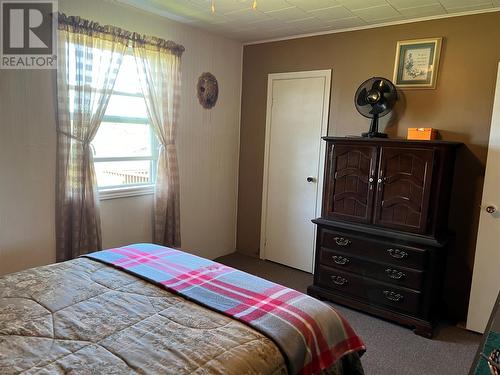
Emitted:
<point x="87" y="317"/>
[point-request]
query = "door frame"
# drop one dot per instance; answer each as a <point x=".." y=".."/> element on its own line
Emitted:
<point x="327" y="75"/>
<point x="473" y="322"/>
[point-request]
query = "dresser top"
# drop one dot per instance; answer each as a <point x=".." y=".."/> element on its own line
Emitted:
<point x="394" y="141"/>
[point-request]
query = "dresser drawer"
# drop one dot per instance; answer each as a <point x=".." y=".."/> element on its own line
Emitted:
<point x="369" y="290"/>
<point x="386" y="252"/>
<point x="389" y="273"/>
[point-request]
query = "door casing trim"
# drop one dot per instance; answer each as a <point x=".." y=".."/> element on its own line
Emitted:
<point x="327" y="75"/>
<point x="473" y="322"/>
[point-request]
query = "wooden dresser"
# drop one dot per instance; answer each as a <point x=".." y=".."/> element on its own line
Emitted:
<point x="382" y="236"/>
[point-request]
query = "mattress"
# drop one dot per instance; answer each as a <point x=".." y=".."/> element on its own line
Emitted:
<point x="84" y="317"/>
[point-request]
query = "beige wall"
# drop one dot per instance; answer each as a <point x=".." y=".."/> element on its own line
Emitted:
<point x="460" y="108"/>
<point x="27" y="170"/>
<point x="208" y="147"/>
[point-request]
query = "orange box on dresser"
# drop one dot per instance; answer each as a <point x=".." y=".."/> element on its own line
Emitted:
<point x="424" y="134"/>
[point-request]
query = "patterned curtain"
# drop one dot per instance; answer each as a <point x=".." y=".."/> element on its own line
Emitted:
<point x="158" y="65"/>
<point x="89" y="59"/>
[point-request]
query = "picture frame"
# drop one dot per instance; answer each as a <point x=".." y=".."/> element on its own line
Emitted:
<point x="417" y="63"/>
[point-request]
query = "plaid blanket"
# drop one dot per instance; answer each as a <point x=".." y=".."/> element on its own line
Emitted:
<point x="310" y="333"/>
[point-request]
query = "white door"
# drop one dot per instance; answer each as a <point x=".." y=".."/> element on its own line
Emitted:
<point x="297" y="117"/>
<point x="486" y="274"/>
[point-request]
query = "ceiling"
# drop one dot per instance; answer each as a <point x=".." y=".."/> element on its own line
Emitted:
<point x="271" y="19"/>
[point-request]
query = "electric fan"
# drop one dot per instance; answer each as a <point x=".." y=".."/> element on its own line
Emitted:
<point x="375" y="98"/>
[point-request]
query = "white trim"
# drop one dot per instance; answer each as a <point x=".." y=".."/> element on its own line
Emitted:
<point x="125" y="192"/>
<point x="238" y="157"/>
<point x="327" y="75"/>
<point x="376" y="25"/>
<point x="481" y="303"/>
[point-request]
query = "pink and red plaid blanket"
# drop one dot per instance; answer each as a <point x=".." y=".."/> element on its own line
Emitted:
<point x="310" y="333"/>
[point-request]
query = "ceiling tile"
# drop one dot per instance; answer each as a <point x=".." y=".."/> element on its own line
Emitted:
<point x="279" y="18"/>
<point x="469" y="8"/>
<point x="456" y="8"/>
<point x="306" y="24"/>
<point x="270" y="5"/>
<point x="261" y="23"/>
<point x="214" y="28"/>
<point x="268" y="24"/>
<point x="215" y="19"/>
<point x="175" y="10"/>
<point x="313" y="28"/>
<point x="226" y="6"/>
<point x="204" y="4"/>
<point x="288" y="14"/>
<point x="247" y="16"/>
<point x="450" y="4"/>
<point x="300" y="21"/>
<point x="361" y="4"/>
<point x="423" y="11"/>
<point x="332" y="13"/>
<point x="285" y="32"/>
<point x="312" y="4"/>
<point x="271" y="33"/>
<point x="412" y="3"/>
<point x="207" y="17"/>
<point x="378" y="13"/>
<point x="262" y="27"/>
<point x="346" y="23"/>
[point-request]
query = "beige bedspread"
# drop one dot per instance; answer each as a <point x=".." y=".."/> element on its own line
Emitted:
<point x="83" y="317"/>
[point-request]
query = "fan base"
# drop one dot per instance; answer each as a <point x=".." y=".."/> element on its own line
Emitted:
<point x="374" y="135"/>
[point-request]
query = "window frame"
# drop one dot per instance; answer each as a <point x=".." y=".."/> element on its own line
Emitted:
<point x="136" y="189"/>
<point x="119" y="191"/>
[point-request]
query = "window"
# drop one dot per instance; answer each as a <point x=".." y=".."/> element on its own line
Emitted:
<point x="125" y="148"/>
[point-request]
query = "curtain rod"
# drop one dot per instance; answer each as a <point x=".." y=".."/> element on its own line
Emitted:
<point x="78" y="24"/>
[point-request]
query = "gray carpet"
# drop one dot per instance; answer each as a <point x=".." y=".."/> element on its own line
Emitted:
<point x="391" y="349"/>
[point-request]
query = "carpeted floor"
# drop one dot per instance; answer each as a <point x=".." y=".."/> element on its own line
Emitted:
<point x="391" y="349"/>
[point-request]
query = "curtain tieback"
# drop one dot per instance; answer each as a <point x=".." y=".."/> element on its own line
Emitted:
<point x="164" y="146"/>
<point x="86" y="144"/>
<point x="72" y="137"/>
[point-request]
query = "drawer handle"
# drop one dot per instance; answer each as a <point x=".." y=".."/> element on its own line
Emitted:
<point x="339" y="280"/>
<point x="394" y="297"/>
<point x="341" y="241"/>
<point x="340" y="260"/>
<point x="398" y="254"/>
<point x="395" y="274"/>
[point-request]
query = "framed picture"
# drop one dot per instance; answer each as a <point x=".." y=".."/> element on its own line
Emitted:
<point x="417" y="63"/>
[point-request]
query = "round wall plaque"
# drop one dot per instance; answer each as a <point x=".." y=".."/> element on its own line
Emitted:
<point x="208" y="90"/>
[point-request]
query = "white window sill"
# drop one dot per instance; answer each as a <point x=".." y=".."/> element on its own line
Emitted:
<point x="125" y="192"/>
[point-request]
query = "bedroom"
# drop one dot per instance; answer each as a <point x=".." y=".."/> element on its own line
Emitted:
<point x="221" y="151"/>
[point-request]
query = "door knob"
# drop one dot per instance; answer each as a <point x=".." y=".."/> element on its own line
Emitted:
<point x="310" y="179"/>
<point x="491" y="209"/>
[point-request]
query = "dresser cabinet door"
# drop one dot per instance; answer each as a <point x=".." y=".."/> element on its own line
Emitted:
<point x="403" y="188"/>
<point x="350" y="183"/>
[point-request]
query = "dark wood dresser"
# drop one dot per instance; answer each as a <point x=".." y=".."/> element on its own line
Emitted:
<point x="382" y="237"/>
